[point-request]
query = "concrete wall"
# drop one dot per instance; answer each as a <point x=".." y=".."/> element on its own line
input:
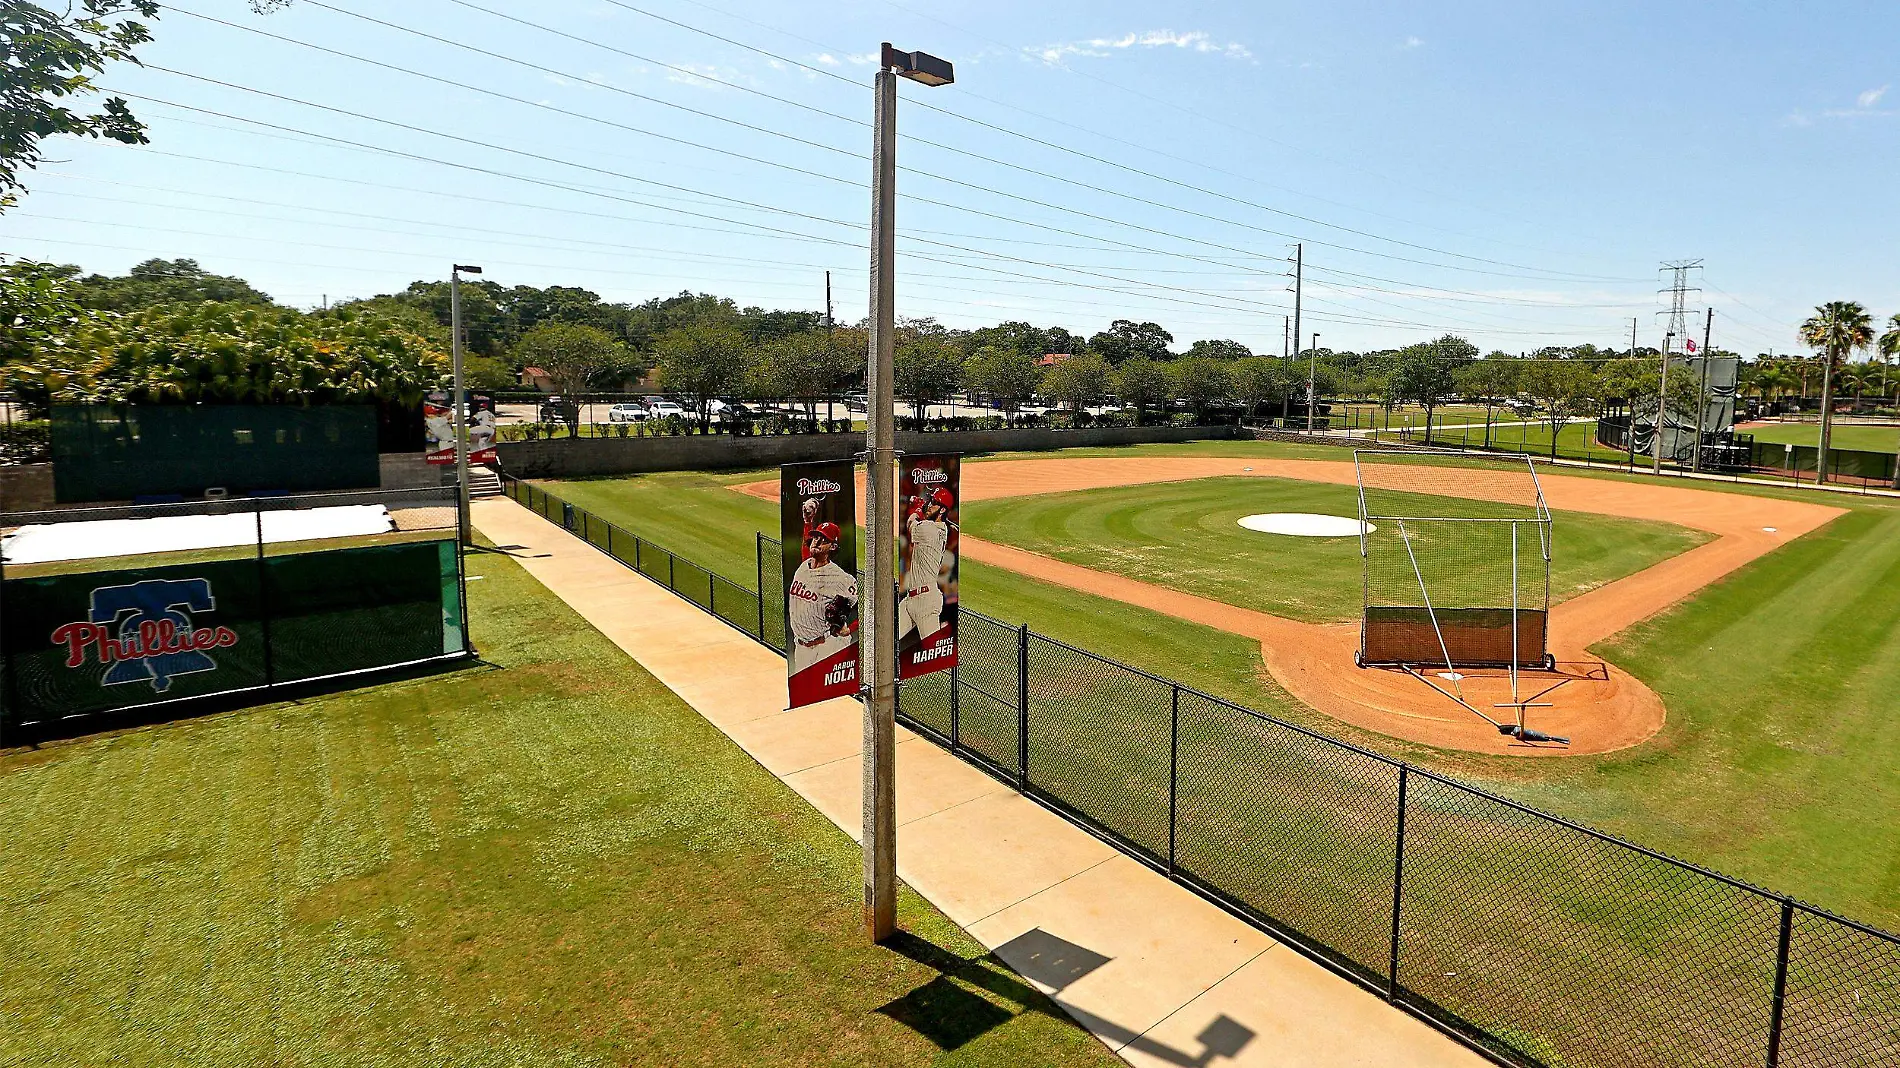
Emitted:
<point x="579" y="457"/>
<point x="26" y="487"/>
<point x="29" y="487"/>
<point x="408" y="470"/>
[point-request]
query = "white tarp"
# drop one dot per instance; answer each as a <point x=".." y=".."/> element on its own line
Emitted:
<point x="46" y="542"/>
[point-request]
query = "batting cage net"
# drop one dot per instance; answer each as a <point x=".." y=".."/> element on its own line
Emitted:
<point x="1456" y="560"/>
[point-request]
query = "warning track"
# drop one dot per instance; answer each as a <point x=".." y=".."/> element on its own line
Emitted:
<point x="1598" y="706"/>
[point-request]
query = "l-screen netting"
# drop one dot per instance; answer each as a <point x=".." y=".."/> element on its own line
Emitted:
<point x="1456" y="549"/>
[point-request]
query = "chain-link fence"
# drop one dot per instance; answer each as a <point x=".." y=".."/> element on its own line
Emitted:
<point x="1537" y="940"/>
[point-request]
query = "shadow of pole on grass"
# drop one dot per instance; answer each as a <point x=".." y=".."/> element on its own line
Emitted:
<point x="950" y="1014"/>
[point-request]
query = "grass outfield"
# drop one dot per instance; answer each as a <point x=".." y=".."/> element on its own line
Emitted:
<point x="1186" y="535"/>
<point x="1777" y="763"/>
<point x="1848" y="436"/>
<point x="548" y="860"/>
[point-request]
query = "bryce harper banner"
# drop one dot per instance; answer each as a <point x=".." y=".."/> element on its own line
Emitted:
<point x="927" y="565"/>
<point x="818" y="532"/>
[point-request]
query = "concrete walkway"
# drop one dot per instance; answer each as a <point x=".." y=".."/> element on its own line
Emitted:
<point x="1161" y="976"/>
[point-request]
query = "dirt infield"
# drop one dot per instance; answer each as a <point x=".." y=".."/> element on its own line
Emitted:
<point x="1597" y="705"/>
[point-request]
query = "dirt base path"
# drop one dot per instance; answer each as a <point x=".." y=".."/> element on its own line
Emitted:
<point x="1597" y="705"/>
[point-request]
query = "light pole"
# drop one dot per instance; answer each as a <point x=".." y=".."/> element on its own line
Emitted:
<point x="1662" y="401"/>
<point x="878" y="651"/>
<point x="1312" y="382"/>
<point x="1299" y="272"/>
<point x="460" y="399"/>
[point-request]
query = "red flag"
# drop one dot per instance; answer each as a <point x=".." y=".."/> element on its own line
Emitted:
<point x="1688" y="345"/>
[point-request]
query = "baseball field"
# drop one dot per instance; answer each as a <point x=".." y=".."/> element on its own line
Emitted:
<point x="1751" y="664"/>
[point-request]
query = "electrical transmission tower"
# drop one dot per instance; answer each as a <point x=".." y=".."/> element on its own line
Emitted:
<point x="1678" y="289"/>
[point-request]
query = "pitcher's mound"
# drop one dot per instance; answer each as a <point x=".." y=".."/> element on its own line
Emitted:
<point x="1306" y="525"/>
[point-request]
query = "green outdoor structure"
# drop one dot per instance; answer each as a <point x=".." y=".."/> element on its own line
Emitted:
<point x="127" y="452"/>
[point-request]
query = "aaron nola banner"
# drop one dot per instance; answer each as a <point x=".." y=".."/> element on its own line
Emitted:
<point x="818" y="533"/>
<point x="927" y="565"/>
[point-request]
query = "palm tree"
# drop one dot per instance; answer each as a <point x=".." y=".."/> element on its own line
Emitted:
<point x="1890" y="340"/>
<point x="1837" y="328"/>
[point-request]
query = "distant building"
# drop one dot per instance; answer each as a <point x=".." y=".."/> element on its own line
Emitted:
<point x="1050" y="359"/>
<point x="537" y="379"/>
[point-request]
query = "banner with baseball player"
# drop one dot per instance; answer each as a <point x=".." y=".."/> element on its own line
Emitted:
<point x="438" y="427"/>
<point x="927" y="565"/>
<point x="818" y="528"/>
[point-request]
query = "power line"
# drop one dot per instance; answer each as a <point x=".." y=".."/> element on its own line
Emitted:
<point x="959" y="151"/>
<point x="955" y="115"/>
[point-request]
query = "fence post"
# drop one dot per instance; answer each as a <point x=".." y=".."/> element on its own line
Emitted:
<point x="610" y="541"/>
<point x="264" y="605"/>
<point x="1022" y="705"/>
<point x="1781" y="983"/>
<point x="1398" y="887"/>
<point x="758" y="568"/>
<point x="1174" y="771"/>
<point x="956" y="726"/>
<point x="670" y="559"/>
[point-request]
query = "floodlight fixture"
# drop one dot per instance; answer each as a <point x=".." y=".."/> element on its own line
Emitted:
<point x="918" y="66"/>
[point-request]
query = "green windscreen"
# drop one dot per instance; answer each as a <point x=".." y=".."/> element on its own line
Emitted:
<point x="125" y="452"/>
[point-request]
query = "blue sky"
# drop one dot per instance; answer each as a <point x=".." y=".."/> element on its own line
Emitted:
<point x="1514" y="173"/>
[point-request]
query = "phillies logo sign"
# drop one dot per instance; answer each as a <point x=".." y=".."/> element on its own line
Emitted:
<point x="926" y="476"/>
<point x="809" y="486"/>
<point x="144" y="632"/>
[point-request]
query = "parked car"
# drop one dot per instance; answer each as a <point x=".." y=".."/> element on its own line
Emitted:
<point x="662" y="409"/>
<point x="730" y="412"/>
<point x="627" y="412"/>
<point x="552" y="409"/>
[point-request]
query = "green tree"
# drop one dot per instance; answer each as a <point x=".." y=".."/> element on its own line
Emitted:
<point x="1890" y="340"/>
<point x="233" y="354"/>
<point x="1125" y="339"/>
<point x="1009" y="376"/>
<point x="1219" y="350"/>
<point x="1078" y="382"/>
<point x="1493" y="379"/>
<point x="701" y="361"/>
<point x="1143" y="383"/>
<point x="1258" y="381"/>
<point x="573" y="355"/>
<point x="1837" y="328"/>
<point x="926" y="368"/>
<point x="1425" y="374"/>
<point x="166" y="282"/>
<point x="50" y="60"/>
<point x="1199" y="381"/>
<point x="804" y="366"/>
<point x="39" y="307"/>
<point x="1563" y="390"/>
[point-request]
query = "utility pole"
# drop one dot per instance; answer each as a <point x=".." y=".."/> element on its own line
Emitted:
<point x="1299" y="270"/>
<point x="828" y="304"/>
<point x="460" y="399"/>
<point x="878" y="649"/>
<point x="1312" y="378"/>
<point x="1702" y="390"/>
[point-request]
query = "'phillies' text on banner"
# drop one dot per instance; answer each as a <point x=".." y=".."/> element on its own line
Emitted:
<point x="927" y="565"/>
<point x="438" y="424"/>
<point x="145" y="632"/>
<point x="818" y="533"/>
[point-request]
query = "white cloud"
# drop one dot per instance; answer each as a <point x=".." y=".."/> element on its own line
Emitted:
<point x="705" y="76"/>
<point x="1871" y="97"/>
<point x="827" y="59"/>
<point x="1413" y="42"/>
<point x="1100" y="47"/>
